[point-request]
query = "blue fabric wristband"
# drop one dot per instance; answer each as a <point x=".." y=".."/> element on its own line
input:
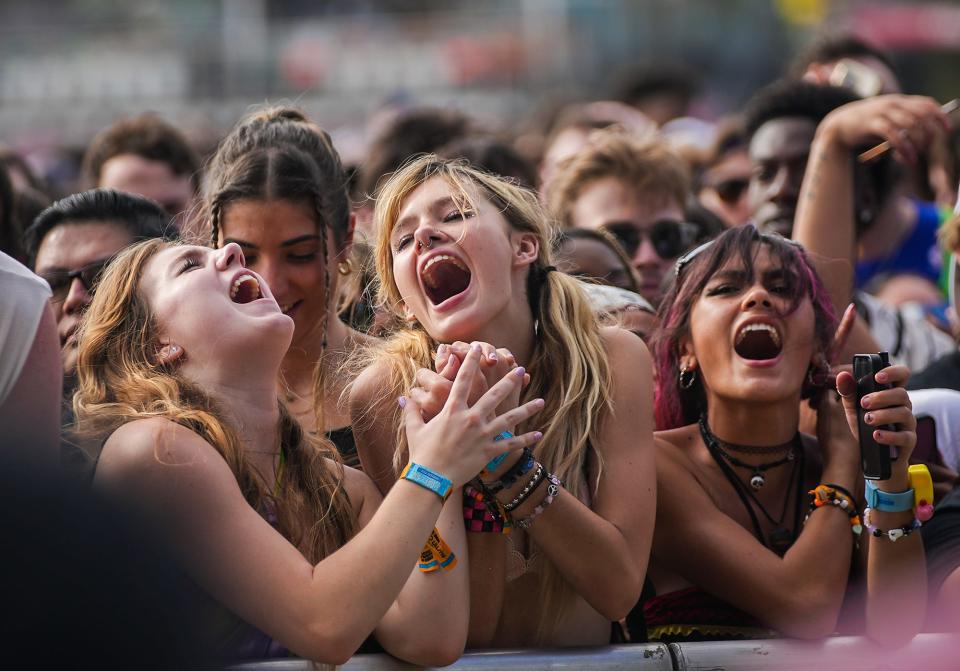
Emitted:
<point x="428" y="479"/>
<point x="497" y="460"/>
<point x="888" y="502"/>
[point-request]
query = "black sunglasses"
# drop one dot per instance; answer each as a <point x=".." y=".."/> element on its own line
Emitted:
<point x="60" y="280"/>
<point x="668" y="237"/>
<point x="731" y="190"/>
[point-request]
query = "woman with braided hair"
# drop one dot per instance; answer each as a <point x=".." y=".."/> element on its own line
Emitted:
<point x="276" y="188"/>
<point x="464" y="259"/>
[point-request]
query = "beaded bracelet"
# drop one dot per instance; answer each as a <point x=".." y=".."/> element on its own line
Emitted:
<point x="840" y="490"/>
<point x="828" y="495"/>
<point x="481" y="515"/>
<point x="522" y="467"/>
<point x="893" y="534"/>
<point x="528" y="489"/>
<point x="553" y="490"/>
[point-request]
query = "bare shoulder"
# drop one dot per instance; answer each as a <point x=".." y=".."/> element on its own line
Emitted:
<point x="675" y="447"/>
<point x="359" y="487"/>
<point x="631" y="369"/>
<point x="156" y="448"/>
<point x="367" y="389"/>
<point x="623" y="347"/>
<point x="363" y="494"/>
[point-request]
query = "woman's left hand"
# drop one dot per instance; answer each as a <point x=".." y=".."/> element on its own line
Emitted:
<point x="882" y="408"/>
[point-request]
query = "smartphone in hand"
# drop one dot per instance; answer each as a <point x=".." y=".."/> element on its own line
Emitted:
<point x="874" y="457"/>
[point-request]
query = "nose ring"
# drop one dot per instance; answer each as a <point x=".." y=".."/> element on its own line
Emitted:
<point x="429" y="244"/>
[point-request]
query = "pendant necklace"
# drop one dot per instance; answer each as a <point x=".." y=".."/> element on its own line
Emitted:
<point x="781" y="538"/>
<point x="757" y="481"/>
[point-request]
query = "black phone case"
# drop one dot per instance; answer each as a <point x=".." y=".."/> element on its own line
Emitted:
<point x="874" y="458"/>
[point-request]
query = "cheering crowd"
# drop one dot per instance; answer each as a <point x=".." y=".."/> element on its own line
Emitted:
<point x="479" y="391"/>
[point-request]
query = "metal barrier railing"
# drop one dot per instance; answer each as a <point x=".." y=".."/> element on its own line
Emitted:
<point x="927" y="652"/>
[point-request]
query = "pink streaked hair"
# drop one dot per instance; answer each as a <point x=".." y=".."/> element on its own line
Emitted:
<point x="675" y="407"/>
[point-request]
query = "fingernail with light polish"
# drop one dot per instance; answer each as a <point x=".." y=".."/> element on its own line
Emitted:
<point x="519" y="371"/>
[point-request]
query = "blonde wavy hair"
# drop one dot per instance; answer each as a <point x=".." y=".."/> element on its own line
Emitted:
<point x="119" y="382"/>
<point x="569" y="367"/>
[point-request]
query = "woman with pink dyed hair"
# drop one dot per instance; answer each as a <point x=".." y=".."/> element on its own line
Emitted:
<point x="757" y="525"/>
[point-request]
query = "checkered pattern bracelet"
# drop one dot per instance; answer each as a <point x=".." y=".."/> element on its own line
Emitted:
<point x="482" y="514"/>
<point x="893" y="534"/>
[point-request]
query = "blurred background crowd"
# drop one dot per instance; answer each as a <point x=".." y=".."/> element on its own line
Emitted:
<point x="68" y="68"/>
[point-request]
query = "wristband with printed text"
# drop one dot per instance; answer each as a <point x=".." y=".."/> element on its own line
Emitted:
<point x="423" y="476"/>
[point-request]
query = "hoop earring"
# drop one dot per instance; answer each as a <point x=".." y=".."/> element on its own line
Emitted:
<point x="686" y="378"/>
<point x="345" y="267"/>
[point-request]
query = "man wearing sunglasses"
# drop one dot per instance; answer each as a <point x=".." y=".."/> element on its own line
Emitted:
<point x="635" y="191"/>
<point x="71" y="241"/>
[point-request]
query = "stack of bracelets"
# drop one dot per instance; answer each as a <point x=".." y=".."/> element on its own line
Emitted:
<point x="918" y="498"/>
<point x="484" y="513"/>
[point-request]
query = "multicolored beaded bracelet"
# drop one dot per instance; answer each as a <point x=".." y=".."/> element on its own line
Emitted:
<point x="893" y="534"/>
<point x="830" y="495"/>
<point x="553" y="490"/>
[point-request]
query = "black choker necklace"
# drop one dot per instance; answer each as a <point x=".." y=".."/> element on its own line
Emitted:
<point x="757" y="481"/>
<point x="753" y="449"/>
<point x="781" y="538"/>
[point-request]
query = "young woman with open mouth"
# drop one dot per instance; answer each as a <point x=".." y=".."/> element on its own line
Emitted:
<point x="464" y="257"/>
<point x="740" y="549"/>
<point x="276" y="188"/>
<point x="295" y="551"/>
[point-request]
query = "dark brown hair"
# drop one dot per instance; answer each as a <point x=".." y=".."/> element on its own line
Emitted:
<point x="147" y="136"/>
<point x="675" y="406"/>
<point x="278" y="153"/>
